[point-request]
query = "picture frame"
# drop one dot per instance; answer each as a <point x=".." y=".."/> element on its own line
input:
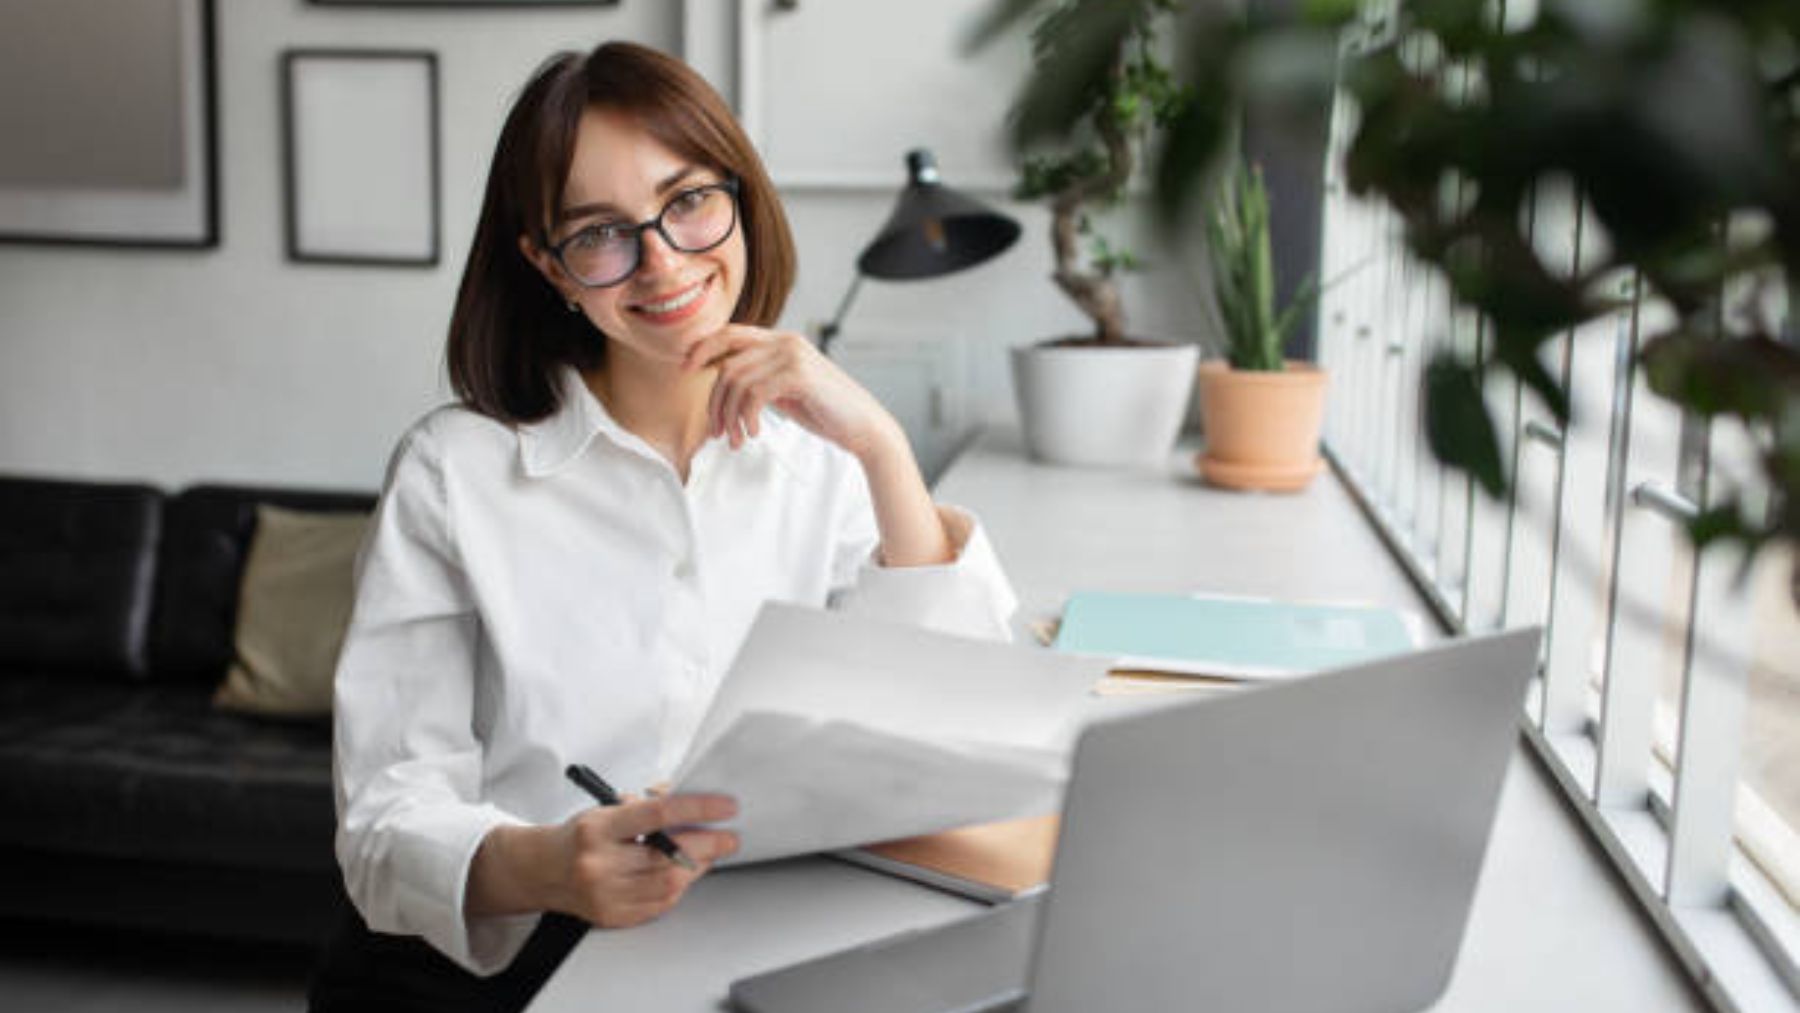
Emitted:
<point x="360" y="166"/>
<point x="127" y="159"/>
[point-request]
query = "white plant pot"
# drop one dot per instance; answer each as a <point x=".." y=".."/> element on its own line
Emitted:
<point x="1103" y="407"/>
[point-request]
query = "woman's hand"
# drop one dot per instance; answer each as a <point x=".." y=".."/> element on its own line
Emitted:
<point x="612" y="881"/>
<point x="592" y="866"/>
<point x="760" y="368"/>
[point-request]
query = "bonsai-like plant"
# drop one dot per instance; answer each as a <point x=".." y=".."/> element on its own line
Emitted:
<point x="1243" y="273"/>
<point x="1672" y="119"/>
<point x="1113" y="111"/>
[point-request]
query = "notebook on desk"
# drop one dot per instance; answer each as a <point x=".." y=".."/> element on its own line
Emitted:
<point x="1306" y="846"/>
<point x="1227" y="636"/>
<point x="991" y="862"/>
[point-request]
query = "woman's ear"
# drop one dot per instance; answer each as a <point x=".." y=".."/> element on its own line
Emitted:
<point x="546" y="266"/>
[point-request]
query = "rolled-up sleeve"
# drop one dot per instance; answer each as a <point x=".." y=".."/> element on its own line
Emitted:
<point x="970" y="595"/>
<point x="407" y="761"/>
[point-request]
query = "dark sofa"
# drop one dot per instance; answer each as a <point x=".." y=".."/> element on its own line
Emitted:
<point x="126" y="799"/>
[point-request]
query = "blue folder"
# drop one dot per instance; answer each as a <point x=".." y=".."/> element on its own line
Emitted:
<point x="1229" y="637"/>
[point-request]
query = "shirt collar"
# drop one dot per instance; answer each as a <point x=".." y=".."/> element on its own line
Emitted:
<point x="549" y="444"/>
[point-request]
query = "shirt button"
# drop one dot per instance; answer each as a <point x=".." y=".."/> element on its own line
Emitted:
<point x="684" y="570"/>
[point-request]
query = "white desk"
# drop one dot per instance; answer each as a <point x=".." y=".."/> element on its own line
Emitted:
<point x="1551" y="928"/>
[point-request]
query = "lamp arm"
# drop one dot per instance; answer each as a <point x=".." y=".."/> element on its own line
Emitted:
<point x="829" y="331"/>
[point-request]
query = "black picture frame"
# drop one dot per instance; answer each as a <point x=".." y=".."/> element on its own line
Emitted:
<point x="311" y="217"/>
<point x="184" y="216"/>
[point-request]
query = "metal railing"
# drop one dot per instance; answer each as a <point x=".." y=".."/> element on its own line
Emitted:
<point x="1640" y="706"/>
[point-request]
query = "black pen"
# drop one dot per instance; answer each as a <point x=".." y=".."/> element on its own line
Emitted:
<point x="604" y="794"/>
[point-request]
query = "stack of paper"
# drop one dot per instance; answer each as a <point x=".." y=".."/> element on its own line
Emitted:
<point x="834" y="730"/>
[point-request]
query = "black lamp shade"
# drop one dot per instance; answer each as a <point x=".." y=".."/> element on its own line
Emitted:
<point x="934" y="230"/>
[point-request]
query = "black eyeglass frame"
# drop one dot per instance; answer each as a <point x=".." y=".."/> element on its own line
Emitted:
<point x="730" y="186"/>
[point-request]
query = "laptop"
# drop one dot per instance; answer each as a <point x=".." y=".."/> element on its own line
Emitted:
<point x="1307" y="845"/>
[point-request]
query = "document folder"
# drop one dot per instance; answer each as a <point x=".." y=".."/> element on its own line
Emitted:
<point x="1242" y="638"/>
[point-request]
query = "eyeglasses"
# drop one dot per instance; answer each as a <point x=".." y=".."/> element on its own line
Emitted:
<point x="694" y="221"/>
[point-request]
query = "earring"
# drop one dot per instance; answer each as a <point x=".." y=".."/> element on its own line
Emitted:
<point x="574" y="307"/>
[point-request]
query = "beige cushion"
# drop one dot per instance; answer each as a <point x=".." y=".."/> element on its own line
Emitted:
<point x="293" y="606"/>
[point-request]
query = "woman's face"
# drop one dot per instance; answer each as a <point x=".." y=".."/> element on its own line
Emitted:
<point x="620" y="175"/>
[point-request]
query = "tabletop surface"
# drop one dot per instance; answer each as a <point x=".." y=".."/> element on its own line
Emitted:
<point x="1551" y="927"/>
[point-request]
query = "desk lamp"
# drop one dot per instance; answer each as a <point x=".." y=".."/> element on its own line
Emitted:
<point x="933" y="231"/>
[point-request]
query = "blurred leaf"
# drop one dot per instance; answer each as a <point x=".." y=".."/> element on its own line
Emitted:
<point x="1752" y="377"/>
<point x="1329" y="13"/>
<point x="1704" y="102"/>
<point x="1665" y="140"/>
<point x="1724" y="522"/>
<point x="1521" y="355"/>
<point x="1408" y="135"/>
<point x="1197" y="131"/>
<point x="1108" y="259"/>
<point x="1192" y="143"/>
<point x="1459" y="24"/>
<point x="999" y="18"/>
<point x="1044" y="175"/>
<point x="1457" y="425"/>
<point x="1690" y="267"/>
<point x="1499" y="273"/>
<point x="1077" y="48"/>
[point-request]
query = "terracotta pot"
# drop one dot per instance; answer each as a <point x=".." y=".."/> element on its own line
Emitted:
<point x="1262" y="429"/>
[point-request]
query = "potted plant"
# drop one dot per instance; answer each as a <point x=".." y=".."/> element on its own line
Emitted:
<point x="1261" y="413"/>
<point x="1102" y="398"/>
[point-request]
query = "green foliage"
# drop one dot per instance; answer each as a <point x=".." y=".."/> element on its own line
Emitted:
<point x="1750" y="378"/>
<point x="1457" y="425"/>
<point x="1081" y="130"/>
<point x="1043" y="176"/>
<point x="1330" y="13"/>
<point x="1150" y="96"/>
<point x="1104" y="67"/>
<point x="1668" y="117"/>
<point x="1109" y="260"/>
<point x="1243" y="270"/>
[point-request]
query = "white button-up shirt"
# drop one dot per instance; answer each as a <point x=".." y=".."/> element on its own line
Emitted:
<point x="554" y="594"/>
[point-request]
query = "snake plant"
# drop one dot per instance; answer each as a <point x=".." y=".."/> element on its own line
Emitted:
<point x="1237" y="226"/>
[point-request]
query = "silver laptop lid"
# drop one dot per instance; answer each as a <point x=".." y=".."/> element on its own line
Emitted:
<point x="1312" y="845"/>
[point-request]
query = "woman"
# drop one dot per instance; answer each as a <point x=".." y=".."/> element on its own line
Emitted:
<point x="563" y="564"/>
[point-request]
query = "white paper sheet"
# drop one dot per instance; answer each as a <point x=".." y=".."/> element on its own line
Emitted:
<point x="805" y="785"/>
<point x="899" y="679"/>
<point x="834" y="730"/>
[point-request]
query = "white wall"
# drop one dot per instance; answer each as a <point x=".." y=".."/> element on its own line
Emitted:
<point x="234" y="364"/>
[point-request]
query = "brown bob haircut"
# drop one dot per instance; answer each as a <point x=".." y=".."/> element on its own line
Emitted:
<point x="511" y="331"/>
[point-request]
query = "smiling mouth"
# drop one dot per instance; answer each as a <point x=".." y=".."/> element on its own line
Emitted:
<point x="680" y="301"/>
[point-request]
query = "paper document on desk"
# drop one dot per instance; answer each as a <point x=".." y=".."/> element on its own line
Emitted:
<point x="834" y="730"/>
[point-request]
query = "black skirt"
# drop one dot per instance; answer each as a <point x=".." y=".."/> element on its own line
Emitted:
<point x="364" y="970"/>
